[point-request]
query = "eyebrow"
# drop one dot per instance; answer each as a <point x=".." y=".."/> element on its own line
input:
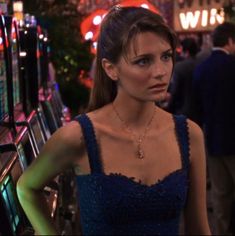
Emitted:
<point x="150" y="54"/>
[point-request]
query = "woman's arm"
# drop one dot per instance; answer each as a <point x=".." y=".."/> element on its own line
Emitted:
<point x="60" y="152"/>
<point x="196" y="221"/>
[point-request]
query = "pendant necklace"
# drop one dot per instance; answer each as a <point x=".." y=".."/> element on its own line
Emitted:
<point x="139" y="140"/>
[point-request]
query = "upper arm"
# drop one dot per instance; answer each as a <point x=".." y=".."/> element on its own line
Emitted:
<point x="196" y="221"/>
<point x="60" y="152"/>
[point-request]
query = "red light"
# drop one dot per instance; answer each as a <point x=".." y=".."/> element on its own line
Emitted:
<point x="139" y="3"/>
<point x="92" y="24"/>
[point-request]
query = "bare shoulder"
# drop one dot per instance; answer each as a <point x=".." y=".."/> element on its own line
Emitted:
<point x="67" y="140"/>
<point x="61" y="151"/>
<point x="195" y="132"/>
<point x="68" y="134"/>
<point x="196" y="140"/>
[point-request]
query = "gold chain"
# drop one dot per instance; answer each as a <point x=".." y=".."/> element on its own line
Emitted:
<point x="140" y="139"/>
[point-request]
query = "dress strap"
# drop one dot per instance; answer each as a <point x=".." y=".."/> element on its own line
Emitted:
<point x="181" y="127"/>
<point x="90" y="142"/>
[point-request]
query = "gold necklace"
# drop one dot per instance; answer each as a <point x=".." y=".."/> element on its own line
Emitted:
<point x="140" y="139"/>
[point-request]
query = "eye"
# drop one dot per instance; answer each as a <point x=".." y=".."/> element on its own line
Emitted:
<point x="142" y="62"/>
<point x="167" y="56"/>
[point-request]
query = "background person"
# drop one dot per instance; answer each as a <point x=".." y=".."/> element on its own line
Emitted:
<point x="214" y="110"/>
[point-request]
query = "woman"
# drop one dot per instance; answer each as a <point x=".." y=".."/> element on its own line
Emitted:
<point x="136" y="169"/>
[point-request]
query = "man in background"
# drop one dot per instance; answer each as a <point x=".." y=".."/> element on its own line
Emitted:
<point x="214" y="111"/>
<point x="181" y="84"/>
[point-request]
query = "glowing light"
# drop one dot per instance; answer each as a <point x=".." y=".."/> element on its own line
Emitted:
<point x="95" y="45"/>
<point x="189" y="19"/>
<point x="45" y="39"/>
<point x="91" y="24"/>
<point x="21" y="23"/>
<point x="18" y="6"/>
<point x="1" y="41"/>
<point x="41" y="36"/>
<point x="213" y="16"/>
<point x="97" y="20"/>
<point x="145" y="6"/>
<point x="89" y="35"/>
<point x="220" y="16"/>
<point x="204" y="18"/>
<point x="23" y="54"/>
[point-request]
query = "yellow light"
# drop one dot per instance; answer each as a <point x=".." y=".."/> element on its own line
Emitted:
<point x="189" y="19"/>
<point x="213" y="16"/>
<point x="204" y="18"/>
<point x="18" y="6"/>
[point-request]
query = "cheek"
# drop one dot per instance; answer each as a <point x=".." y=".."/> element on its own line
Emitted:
<point x="135" y="77"/>
<point x="142" y="77"/>
<point x="169" y="70"/>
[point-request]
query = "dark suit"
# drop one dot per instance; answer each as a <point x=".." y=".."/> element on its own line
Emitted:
<point x="181" y="87"/>
<point x="214" y="110"/>
<point x="214" y="102"/>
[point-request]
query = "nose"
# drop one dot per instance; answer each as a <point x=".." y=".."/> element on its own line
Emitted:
<point x="159" y="70"/>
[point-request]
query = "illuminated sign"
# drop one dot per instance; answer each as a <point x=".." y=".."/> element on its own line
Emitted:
<point x="91" y="24"/>
<point x="197" y="15"/>
<point x="18" y="10"/>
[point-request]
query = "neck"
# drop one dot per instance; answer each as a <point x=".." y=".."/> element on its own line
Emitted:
<point x="135" y="114"/>
<point x="224" y="49"/>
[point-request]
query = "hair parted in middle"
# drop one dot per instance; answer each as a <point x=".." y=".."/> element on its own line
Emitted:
<point x="118" y="28"/>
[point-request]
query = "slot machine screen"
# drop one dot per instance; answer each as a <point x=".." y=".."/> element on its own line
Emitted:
<point x="9" y="197"/>
<point x="22" y="156"/>
<point x="56" y="111"/>
<point x="44" y="122"/>
<point x="3" y="81"/>
<point x="26" y="144"/>
<point x="15" y="62"/>
<point x="50" y="116"/>
<point x="39" y="138"/>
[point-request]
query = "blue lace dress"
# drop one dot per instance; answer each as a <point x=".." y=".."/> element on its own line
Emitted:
<point x="118" y="205"/>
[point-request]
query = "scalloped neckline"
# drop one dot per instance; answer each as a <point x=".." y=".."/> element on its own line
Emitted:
<point x="134" y="180"/>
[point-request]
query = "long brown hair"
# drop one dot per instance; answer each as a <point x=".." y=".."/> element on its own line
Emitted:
<point x="117" y="30"/>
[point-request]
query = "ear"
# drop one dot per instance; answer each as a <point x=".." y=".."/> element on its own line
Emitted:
<point x="230" y="41"/>
<point x="231" y="45"/>
<point x="110" y="69"/>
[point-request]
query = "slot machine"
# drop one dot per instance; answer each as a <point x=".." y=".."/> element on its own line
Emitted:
<point x="11" y="167"/>
<point x="36" y="126"/>
<point x="7" y="116"/>
<point x="23" y="146"/>
<point x="50" y="87"/>
<point x="12" y="218"/>
<point x="12" y="88"/>
<point x="30" y="134"/>
<point x="13" y="161"/>
<point x="3" y="81"/>
<point x="26" y="140"/>
<point x="22" y="141"/>
<point x="34" y="83"/>
<point x="48" y="91"/>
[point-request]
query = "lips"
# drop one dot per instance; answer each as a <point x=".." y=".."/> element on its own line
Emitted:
<point x="159" y="87"/>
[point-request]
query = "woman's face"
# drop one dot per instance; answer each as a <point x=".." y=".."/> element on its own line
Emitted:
<point x="145" y="72"/>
